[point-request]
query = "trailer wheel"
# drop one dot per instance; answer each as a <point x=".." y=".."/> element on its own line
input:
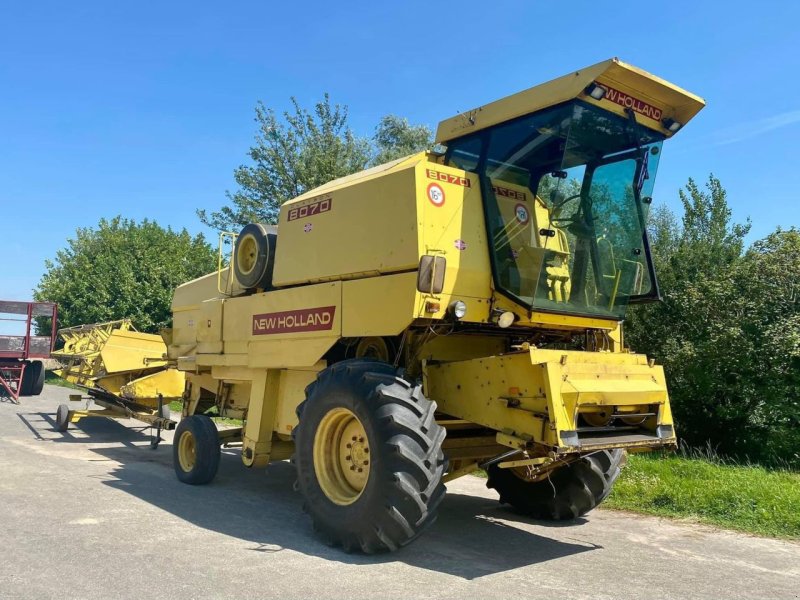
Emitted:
<point x="195" y="450"/>
<point x="369" y="458"/>
<point x="62" y="417"/>
<point x="568" y="493"/>
<point x="33" y="379"/>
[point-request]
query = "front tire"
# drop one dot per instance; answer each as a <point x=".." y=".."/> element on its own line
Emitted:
<point x="369" y="458"/>
<point x="567" y="493"/>
<point x="196" y="450"/>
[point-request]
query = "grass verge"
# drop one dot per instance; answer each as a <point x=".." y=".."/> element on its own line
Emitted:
<point x="743" y="497"/>
<point x="53" y="379"/>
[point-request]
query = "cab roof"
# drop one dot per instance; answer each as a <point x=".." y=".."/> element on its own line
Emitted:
<point x="653" y="100"/>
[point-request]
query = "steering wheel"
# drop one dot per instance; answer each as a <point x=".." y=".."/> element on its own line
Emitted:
<point x="556" y="210"/>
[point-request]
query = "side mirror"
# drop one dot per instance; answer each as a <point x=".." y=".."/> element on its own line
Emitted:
<point x="430" y="278"/>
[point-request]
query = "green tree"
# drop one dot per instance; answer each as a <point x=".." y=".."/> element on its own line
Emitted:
<point x="709" y="241"/>
<point x="396" y="138"/>
<point x="301" y="150"/>
<point x="768" y="308"/>
<point x="727" y="329"/>
<point x="123" y="269"/>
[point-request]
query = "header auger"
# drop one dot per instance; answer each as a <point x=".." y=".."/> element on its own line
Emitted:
<point x="446" y="312"/>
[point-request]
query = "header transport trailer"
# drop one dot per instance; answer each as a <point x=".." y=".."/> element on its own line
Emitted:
<point x="448" y="311"/>
<point x="21" y="355"/>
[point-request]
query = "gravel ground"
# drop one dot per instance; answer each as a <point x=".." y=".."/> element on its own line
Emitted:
<point x="95" y="513"/>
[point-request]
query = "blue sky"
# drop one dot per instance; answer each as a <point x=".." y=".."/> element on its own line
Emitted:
<point x="145" y="108"/>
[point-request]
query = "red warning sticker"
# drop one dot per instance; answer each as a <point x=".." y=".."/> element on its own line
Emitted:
<point x="436" y="194"/>
<point x="522" y="214"/>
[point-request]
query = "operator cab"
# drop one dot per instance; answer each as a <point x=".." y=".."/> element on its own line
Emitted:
<point x="566" y="193"/>
<point x="566" y="174"/>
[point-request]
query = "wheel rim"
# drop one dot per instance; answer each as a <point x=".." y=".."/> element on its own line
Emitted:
<point x="247" y="254"/>
<point x="373" y="347"/>
<point x="341" y="456"/>
<point x="187" y="451"/>
<point x="601" y="418"/>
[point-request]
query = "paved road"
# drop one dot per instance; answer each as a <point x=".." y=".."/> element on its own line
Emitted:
<point x="94" y="513"/>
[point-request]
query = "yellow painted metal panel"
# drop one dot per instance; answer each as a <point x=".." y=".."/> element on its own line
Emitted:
<point x="287" y="353"/>
<point x="360" y="177"/>
<point x="378" y="305"/>
<point x="478" y="390"/>
<point x="257" y="433"/>
<point x="127" y="351"/>
<point x="209" y="327"/>
<point x="187" y="304"/>
<point x="191" y="363"/>
<point x="538" y="395"/>
<point x="277" y="329"/>
<point x="291" y="393"/>
<point x="324" y="237"/>
<point x="194" y="292"/>
<point x="454" y="227"/>
<point x="450" y="217"/>
<point x="613" y="392"/>
<point x="598" y="360"/>
<point x="169" y="383"/>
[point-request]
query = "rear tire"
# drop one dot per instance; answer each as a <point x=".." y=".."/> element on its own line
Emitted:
<point x="32" y="379"/>
<point x="393" y="427"/>
<point x="567" y="493"/>
<point x="196" y="450"/>
<point x="34" y="373"/>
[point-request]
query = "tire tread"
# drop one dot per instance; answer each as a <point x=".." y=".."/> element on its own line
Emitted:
<point x="411" y="480"/>
<point x="567" y="493"/>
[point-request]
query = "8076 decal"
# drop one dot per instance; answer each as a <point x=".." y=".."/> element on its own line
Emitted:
<point x="319" y="205"/>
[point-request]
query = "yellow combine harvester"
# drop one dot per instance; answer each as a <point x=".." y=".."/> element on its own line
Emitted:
<point x="124" y="371"/>
<point x="446" y="312"/>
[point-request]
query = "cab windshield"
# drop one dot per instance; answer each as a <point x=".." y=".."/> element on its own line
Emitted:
<point x="566" y="194"/>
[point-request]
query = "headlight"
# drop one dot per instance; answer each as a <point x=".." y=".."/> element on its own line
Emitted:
<point x="458" y="309"/>
<point x="503" y="318"/>
<point x="506" y="319"/>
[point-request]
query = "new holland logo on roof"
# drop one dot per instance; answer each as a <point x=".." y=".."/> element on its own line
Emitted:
<point x="628" y="101"/>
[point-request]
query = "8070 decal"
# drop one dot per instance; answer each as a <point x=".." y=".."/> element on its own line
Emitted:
<point x="321" y="205"/>
<point x="447" y="178"/>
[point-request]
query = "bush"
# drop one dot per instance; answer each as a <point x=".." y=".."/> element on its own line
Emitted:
<point x="728" y="330"/>
<point x="123" y="269"/>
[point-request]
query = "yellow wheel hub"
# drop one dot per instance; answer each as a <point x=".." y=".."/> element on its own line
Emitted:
<point x="187" y="451"/>
<point x="341" y="456"/>
<point x="247" y="254"/>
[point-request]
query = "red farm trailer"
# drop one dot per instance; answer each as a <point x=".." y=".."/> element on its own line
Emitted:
<point x="21" y="355"/>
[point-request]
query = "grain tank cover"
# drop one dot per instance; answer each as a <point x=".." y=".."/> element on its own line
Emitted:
<point x="656" y="103"/>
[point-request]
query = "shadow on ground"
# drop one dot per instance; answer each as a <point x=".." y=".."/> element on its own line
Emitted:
<point x="93" y="430"/>
<point x="260" y="508"/>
